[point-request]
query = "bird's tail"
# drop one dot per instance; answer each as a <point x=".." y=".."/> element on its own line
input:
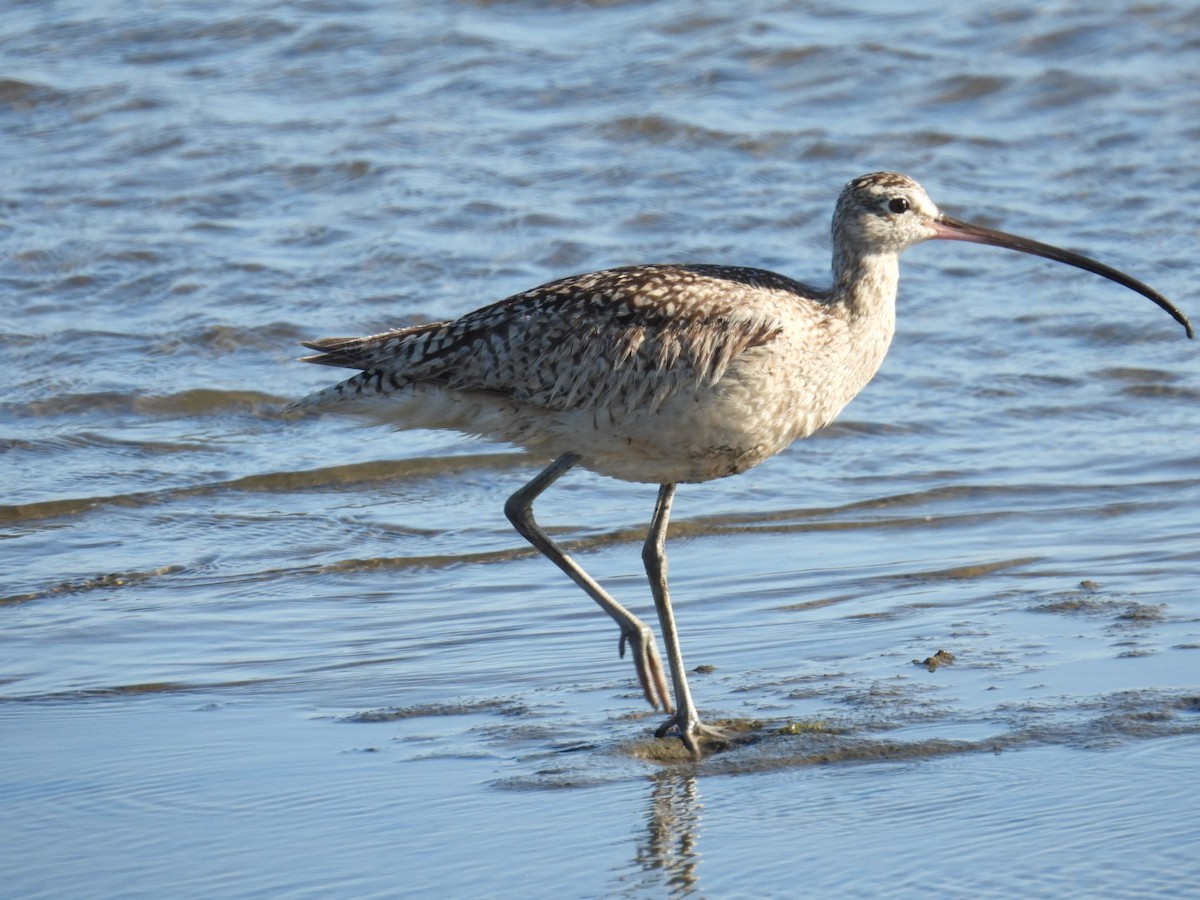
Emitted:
<point x="377" y="355"/>
<point x="372" y="383"/>
<point x="351" y="352"/>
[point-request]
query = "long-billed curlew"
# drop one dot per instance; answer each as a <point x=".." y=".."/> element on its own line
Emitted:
<point x="664" y="374"/>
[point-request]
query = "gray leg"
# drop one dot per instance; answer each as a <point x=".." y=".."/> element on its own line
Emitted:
<point x="654" y="555"/>
<point x="634" y="631"/>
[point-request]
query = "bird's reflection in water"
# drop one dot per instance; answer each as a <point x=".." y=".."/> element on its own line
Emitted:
<point x="668" y="854"/>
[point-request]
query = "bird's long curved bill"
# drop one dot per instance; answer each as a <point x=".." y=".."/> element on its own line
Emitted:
<point x="950" y="229"/>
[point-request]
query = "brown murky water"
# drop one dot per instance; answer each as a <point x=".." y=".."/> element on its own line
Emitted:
<point x="245" y="657"/>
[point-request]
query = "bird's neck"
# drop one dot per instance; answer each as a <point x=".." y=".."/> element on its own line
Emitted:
<point x="865" y="286"/>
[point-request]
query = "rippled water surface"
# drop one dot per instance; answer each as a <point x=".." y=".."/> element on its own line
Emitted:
<point x="247" y="657"/>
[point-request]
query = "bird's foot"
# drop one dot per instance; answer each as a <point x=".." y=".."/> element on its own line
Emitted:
<point x="693" y="732"/>
<point x="648" y="664"/>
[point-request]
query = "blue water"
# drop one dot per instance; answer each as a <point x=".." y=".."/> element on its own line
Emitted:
<point x="247" y="657"/>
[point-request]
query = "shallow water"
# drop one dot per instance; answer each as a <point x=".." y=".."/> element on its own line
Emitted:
<point x="247" y="657"/>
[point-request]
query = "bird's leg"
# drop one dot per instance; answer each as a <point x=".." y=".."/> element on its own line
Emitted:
<point x="634" y="631"/>
<point x="654" y="555"/>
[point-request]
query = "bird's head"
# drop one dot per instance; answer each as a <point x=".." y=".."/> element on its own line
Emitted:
<point x="884" y="213"/>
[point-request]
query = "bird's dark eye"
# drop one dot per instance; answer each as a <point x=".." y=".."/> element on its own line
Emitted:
<point x="898" y="204"/>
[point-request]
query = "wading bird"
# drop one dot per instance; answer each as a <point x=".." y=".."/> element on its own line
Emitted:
<point x="664" y="374"/>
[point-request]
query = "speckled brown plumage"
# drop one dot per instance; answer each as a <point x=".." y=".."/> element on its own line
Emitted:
<point x="622" y="337"/>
